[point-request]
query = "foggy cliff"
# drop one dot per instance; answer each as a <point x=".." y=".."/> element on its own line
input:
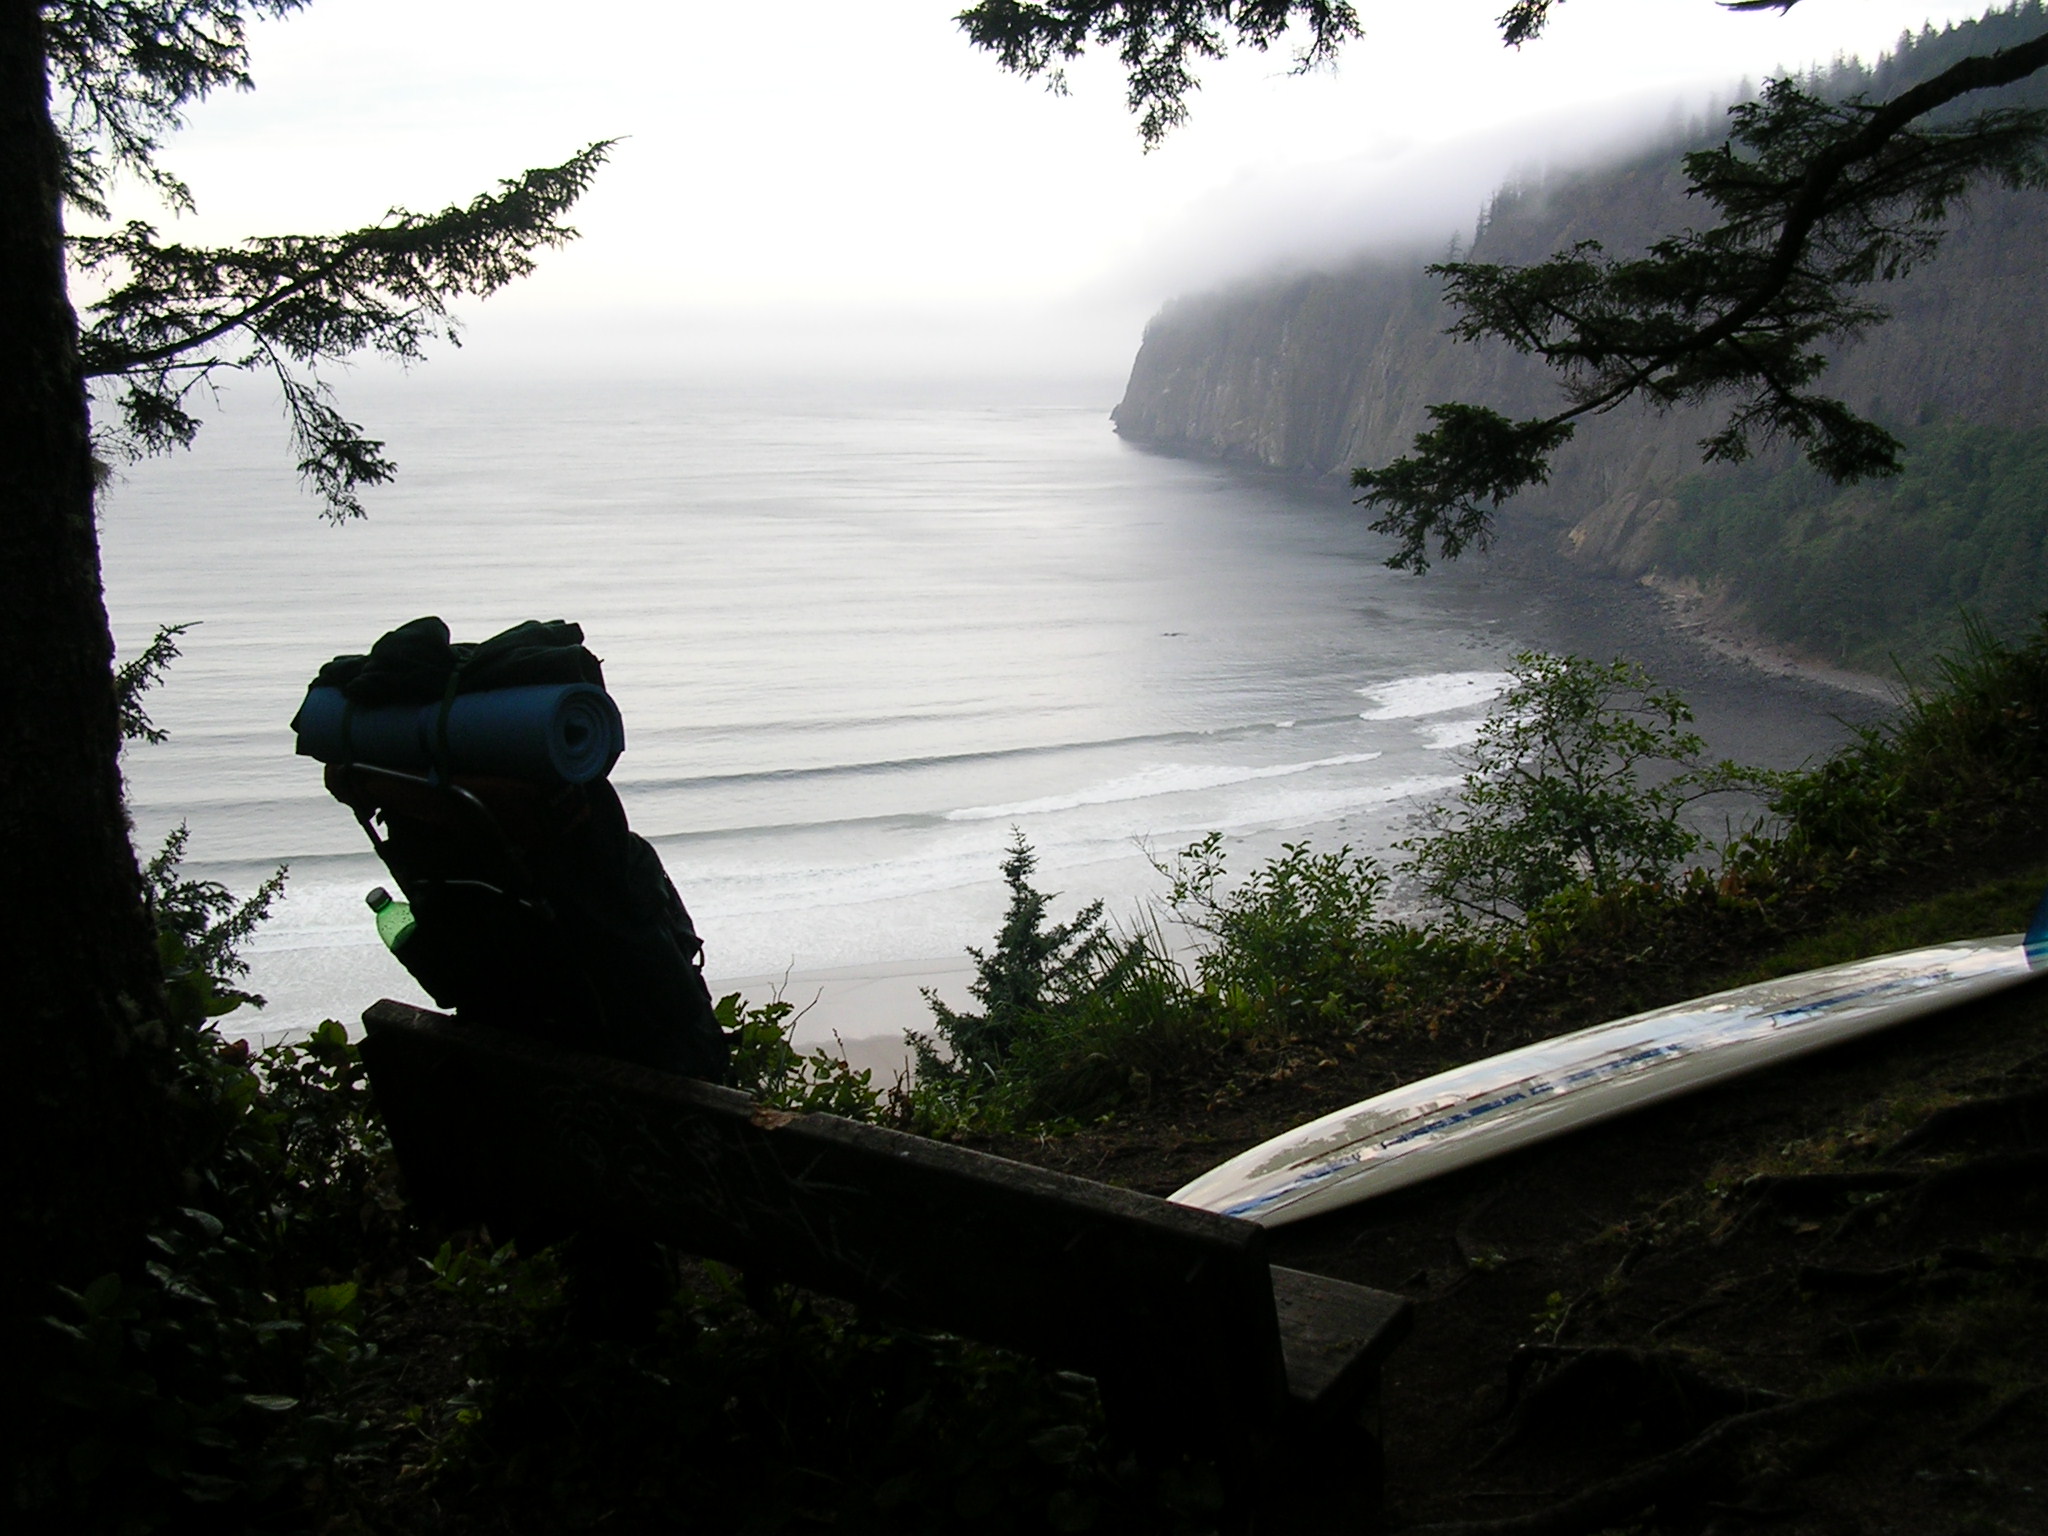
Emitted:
<point x="1316" y="372"/>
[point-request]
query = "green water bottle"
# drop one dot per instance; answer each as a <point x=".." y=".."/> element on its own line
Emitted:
<point x="394" y="918"/>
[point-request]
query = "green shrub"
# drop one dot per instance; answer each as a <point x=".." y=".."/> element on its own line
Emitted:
<point x="200" y="928"/>
<point x="200" y="924"/>
<point x="1568" y="840"/>
<point x="1144" y="1027"/>
<point x="767" y="1065"/>
<point x="1964" y="760"/>
<point x="1079" y="1019"/>
<point x="1579" y="782"/>
<point x="1294" y="941"/>
<point x="205" y="1378"/>
<point x="198" y="1386"/>
<point x="764" y="1410"/>
<point x="1036" y="972"/>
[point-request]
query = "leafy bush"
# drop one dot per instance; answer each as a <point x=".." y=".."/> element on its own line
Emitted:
<point x="1296" y="937"/>
<point x="185" y="1384"/>
<point x="200" y="928"/>
<point x="767" y="1065"/>
<point x="1964" y="760"/>
<point x="1080" y="1019"/>
<point x="1566" y="839"/>
<point x="764" y="1410"/>
<point x="1556" y="799"/>
<point x="200" y="924"/>
<point x="1143" y="1028"/>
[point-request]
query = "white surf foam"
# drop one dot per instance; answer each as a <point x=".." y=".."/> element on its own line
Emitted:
<point x="1450" y="735"/>
<point x="1149" y="783"/>
<point x="1434" y="693"/>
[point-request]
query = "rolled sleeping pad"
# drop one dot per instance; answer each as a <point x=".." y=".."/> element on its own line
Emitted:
<point x="570" y="732"/>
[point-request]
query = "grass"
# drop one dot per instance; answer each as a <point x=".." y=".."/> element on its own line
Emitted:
<point x="1990" y="910"/>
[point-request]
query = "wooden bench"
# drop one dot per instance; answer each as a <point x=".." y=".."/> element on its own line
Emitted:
<point x="1197" y="1343"/>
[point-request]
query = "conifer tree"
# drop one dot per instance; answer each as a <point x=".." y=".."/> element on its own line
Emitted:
<point x="1037" y="971"/>
<point x="88" y="91"/>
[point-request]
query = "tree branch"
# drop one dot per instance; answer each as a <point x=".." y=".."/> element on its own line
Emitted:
<point x="1155" y="40"/>
<point x="122" y="73"/>
<point x="1817" y="201"/>
<point x="299" y="301"/>
<point x="104" y="359"/>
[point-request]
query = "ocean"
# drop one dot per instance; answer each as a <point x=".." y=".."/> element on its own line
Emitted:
<point x="858" y="637"/>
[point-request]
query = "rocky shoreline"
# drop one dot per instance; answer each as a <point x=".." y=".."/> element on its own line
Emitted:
<point x="1704" y="616"/>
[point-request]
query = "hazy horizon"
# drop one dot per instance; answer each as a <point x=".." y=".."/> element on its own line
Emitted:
<point x="863" y="192"/>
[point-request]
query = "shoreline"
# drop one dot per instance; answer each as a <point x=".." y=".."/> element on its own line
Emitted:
<point x="1720" y="668"/>
<point x="863" y="1011"/>
<point x="1693" y="613"/>
<point x="1753" y="703"/>
<point x="1649" y="619"/>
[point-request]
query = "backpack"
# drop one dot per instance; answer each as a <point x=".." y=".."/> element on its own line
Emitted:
<point x="534" y="908"/>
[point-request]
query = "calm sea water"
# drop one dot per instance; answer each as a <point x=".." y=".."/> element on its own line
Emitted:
<point x="856" y="640"/>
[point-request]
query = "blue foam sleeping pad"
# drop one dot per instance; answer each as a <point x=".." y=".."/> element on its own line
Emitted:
<point x="570" y="732"/>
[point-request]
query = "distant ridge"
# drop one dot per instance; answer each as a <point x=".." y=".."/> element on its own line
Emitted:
<point x="1315" y="373"/>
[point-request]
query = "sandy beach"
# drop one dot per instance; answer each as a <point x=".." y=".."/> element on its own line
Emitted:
<point x="861" y="1012"/>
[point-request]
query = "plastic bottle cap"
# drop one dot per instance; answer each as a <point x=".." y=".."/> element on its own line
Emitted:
<point x="378" y="899"/>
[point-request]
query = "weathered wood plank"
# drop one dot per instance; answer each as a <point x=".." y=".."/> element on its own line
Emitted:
<point x="1334" y="1335"/>
<point x="1168" y="1303"/>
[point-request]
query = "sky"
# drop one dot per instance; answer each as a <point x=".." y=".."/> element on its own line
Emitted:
<point x="827" y="186"/>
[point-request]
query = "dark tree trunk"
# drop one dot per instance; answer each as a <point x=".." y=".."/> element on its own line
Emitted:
<point x="84" y="1106"/>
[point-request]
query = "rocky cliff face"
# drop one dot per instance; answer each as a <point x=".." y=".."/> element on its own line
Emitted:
<point x="1318" y="372"/>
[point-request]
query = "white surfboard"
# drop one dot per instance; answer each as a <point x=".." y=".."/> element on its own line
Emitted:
<point x="1479" y="1111"/>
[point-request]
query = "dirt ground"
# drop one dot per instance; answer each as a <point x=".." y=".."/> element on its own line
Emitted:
<point x="1811" y="1301"/>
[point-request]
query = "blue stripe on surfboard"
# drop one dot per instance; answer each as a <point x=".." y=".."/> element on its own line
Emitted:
<point x="2036" y="940"/>
<point x="1522" y="1093"/>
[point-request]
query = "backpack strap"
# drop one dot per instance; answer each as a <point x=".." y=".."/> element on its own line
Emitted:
<point x="437" y="749"/>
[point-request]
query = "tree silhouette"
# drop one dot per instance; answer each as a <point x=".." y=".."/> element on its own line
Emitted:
<point x="88" y="91"/>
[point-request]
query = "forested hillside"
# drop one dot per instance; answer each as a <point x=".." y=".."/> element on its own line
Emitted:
<point x="1316" y="372"/>
<point x="1869" y="574"/>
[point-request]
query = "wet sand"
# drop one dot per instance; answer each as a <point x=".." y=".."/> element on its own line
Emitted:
<point x="861" y="1012"/>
